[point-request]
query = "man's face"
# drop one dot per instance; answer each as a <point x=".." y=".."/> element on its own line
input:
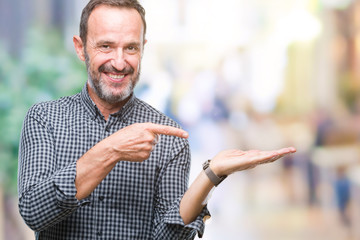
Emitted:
<point x="113" y="52"/>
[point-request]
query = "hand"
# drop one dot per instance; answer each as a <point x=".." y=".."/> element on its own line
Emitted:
<point x="229" y="161"/>
<point x="136" y="142"/>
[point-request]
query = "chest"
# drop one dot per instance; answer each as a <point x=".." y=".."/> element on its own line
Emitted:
<point x="75" y="135"/>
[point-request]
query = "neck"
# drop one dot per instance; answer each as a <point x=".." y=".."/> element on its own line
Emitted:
<point x="106" y="108"/>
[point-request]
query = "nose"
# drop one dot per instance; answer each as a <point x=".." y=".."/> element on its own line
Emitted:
<point x="119" y="59"/>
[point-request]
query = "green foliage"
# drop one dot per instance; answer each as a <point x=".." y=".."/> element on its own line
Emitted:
<point x="45" y="71"/>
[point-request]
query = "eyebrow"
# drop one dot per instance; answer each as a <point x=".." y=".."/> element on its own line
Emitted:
<point x="133" y="44"/>
<point x="102" y="42"/>
<point x="107" y="42"/>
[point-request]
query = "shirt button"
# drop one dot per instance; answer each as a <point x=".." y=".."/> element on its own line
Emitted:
<point x="99" y="233"/>
<point x="101" y="198"/>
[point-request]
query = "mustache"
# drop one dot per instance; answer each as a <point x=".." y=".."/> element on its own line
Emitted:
<point x="107" y="68"/>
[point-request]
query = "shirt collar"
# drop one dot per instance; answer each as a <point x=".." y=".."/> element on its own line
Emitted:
<point x="88" y="103"/>
<point x="126" y="109"/>
<point x="93" y="110"/>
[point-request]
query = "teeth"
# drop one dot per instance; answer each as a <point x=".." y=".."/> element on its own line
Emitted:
<point x="116" y="76"/>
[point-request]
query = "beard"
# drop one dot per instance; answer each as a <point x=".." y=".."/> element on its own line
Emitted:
<point x="102" y="90"/>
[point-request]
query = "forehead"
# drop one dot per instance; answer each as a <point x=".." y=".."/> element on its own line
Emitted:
<point x="107" y="21"/>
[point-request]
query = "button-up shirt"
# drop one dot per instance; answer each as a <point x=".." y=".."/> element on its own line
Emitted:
<point x="136" y="200"/>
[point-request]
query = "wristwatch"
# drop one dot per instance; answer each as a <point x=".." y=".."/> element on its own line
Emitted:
<point x="211" y="175"/>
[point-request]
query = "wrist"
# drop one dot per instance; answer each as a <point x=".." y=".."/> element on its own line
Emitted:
<point x="109" y="153"/>
<point x="214" y="178"/>
<point x="215" y="168"/>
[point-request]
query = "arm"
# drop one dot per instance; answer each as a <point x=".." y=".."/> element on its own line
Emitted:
<point x="46" y="194"/>
<point x="224" y="163"/>
<point x="133" y="143"/>
<point x="171" y="186"/>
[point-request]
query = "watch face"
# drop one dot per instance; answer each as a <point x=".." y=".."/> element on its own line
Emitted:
<point x="206" y="164"/>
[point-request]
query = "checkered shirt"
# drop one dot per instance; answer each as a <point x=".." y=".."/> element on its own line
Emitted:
<point x="137" y="200"/>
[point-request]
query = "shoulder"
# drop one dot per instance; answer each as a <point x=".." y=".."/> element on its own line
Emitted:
<point x="44" y="111"/>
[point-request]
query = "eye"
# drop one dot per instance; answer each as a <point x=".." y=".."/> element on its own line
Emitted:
<point x="104" y="47"/>
<point x="132" y="49"/>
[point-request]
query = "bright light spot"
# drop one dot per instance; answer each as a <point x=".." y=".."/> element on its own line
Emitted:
<point x="336" y="3"/>
<point x="299" y="25"/>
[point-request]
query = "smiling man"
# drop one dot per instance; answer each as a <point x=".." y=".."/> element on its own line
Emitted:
<point x="103" y="164"/>
<point x="112" y="51"/>
<point x="112" y="48"/>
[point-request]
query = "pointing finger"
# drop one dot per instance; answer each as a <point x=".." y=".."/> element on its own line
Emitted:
<point x="167" y="130"/>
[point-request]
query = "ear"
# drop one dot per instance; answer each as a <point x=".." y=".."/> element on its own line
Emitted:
<point x="142" y="54"/>
<point x="79" y="47"/>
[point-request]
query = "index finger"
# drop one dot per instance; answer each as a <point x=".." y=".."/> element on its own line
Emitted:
<point x="167" y="130"/>
<point x="286" y="150"/>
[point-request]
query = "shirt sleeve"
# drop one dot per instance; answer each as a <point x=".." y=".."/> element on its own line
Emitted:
<point x="173" y="182"/>
<point x="46" y="194"/>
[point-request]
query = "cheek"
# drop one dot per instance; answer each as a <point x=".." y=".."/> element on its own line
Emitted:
<point x="97" y="60"/>
<point x="135" y="63"/>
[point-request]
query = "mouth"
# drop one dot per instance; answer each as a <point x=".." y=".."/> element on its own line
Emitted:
<point x="115" y="77"/>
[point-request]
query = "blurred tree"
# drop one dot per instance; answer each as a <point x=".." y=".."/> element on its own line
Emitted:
<point x="44" y="71"/>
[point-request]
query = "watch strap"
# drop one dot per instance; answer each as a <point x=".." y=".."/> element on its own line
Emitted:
<point x="216" y="180"/>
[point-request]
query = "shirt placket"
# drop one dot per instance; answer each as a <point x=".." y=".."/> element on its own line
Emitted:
<point x="99" y="197"/>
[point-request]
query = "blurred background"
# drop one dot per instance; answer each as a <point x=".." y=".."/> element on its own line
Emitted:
<point x="235" y="74"/>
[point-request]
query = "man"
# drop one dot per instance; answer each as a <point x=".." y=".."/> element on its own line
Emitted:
<point x="102" y="164"/>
